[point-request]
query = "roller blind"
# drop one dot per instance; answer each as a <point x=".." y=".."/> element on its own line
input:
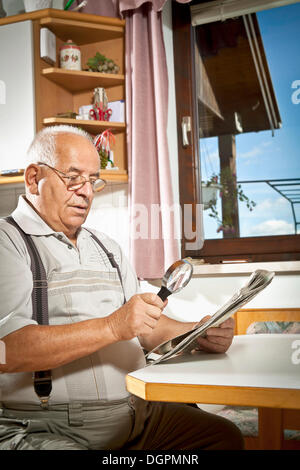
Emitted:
<point x="209" y="12"/>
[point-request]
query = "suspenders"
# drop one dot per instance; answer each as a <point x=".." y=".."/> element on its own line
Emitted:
<point x="42" y="379"/>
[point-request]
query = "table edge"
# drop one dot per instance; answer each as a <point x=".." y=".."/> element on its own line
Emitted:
<point x="215" y="394"/>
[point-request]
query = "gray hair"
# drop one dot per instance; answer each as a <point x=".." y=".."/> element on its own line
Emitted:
<point x="43" y="147"/>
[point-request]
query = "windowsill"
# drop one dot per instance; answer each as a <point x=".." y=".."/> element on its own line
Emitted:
<point x="229" y="269"/>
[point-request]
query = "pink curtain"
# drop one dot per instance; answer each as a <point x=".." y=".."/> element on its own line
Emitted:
<point x="153" y="244"/>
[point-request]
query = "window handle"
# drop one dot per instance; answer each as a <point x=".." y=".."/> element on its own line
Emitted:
<point x="186" y="127"/>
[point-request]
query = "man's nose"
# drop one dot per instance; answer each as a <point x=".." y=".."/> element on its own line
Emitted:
<point x="86" y="190"/>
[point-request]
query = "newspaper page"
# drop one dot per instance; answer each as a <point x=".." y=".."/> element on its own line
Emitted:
<point x="186" y="342"/>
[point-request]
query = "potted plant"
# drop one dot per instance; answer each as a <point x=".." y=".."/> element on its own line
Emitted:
<point x="103" y="143"/>
<point x="210" y="190"/>
<point x="229" y="191"/>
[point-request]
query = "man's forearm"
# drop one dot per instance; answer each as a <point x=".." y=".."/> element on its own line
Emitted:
<point x="165" y="329"/>
<point x="43" y="347"/>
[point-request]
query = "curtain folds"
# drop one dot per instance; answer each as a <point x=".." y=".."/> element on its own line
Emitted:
<point x="153" y="243"/>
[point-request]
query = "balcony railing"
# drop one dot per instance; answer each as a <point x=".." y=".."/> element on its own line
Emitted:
<point x="287" y="188"/>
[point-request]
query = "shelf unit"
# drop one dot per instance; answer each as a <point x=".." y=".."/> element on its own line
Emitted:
<point x="77" y="80"/>
<point x="111" y="175"/>
<point x="91" y="126"/>
<point x="59" y="90"/>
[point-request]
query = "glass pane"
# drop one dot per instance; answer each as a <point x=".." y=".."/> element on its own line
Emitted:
<point x="248" y="87"/>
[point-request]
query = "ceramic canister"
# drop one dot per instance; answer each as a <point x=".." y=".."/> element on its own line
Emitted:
<point x="70" y="56"/>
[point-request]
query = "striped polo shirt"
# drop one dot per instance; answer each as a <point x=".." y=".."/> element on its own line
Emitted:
<point x="82" y="285"/>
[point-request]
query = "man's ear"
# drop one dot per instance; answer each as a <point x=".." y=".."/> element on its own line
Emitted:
<point x="32" y="177"/>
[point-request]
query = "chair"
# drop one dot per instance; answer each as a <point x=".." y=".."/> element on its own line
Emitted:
<point x="274" y="428"/>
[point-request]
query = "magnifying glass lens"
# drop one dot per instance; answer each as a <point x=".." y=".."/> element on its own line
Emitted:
<point x="178" y="278"/>
<point x="175" y="278"/>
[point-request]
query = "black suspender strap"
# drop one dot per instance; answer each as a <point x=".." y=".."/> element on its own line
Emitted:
<point x="42" y="379"/>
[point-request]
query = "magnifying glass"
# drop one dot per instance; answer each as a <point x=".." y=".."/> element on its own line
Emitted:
<point x="175" y="278"/>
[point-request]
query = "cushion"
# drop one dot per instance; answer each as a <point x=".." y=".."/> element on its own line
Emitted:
<point x="283" y="327"/>
<point x="246" y="418"/>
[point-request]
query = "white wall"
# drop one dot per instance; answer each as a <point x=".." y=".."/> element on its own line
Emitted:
<point x="17" y="110"/>
<point x="15" y="7"/>
<point x="109" y="214"/>
<point x="204" y="295"/>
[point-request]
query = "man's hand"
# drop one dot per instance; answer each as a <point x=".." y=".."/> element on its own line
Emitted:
<point x="217" y="339"/>
<point x="137" y="317"/>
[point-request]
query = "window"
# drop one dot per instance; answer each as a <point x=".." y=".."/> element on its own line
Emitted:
<point x="246" y="109"/>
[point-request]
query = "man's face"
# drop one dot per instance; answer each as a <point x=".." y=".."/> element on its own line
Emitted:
<point x="63" y="210"/>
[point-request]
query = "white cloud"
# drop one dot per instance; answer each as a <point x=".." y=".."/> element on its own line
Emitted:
<point x="255" y="151"/>
<point x="271" y="227"/>
<point x="272" y="204"/>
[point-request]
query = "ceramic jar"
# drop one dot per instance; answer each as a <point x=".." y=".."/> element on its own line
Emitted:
<point x="70" y="56"/>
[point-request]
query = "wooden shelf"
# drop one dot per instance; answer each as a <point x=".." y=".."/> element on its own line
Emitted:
<point x="81" y="27"/>
<point x="11" y="179"/>
<point x="81" y="32"/>
<point x="77" y="80"/>
<point x="94" y="127"/>
<point x="119" y="176"/>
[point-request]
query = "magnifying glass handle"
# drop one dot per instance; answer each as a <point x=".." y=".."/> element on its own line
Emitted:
<point x="164" y="293"/>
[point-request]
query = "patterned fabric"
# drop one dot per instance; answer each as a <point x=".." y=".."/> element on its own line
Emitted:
<point x="283" y="327"/>
<point x="246" y="418"/>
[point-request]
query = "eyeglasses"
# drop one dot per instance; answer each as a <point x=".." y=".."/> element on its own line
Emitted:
<point x="75" y="182"/>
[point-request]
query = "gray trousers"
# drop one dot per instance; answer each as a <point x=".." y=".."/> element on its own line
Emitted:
<point x="130" y="424"/>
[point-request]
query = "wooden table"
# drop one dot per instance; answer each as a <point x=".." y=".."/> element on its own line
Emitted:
<point x="257" y="370"/>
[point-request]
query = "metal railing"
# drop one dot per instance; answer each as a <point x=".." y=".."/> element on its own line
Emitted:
<point x="289" y="188"/>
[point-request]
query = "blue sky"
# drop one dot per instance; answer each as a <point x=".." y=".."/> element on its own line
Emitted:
<point x="259" y="155"/>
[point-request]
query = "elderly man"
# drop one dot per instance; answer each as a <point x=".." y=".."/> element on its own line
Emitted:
<point x="97" y="323"/>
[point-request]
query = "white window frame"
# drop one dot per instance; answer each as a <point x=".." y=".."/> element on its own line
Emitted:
<point x="220" y="10"/>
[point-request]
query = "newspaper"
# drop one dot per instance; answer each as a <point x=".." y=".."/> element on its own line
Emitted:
<point x="188" y="341"/>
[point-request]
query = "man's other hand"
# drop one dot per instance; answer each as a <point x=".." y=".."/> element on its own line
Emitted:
<point x="217" y="339"/>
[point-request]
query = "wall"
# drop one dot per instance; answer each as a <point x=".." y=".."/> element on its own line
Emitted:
<point x="204" y="295"/>
<point x="109" y="214"/>
<point x="16" y="42"/>
<point x="16" y="7"/>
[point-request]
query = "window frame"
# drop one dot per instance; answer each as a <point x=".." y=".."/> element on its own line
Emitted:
<point x="251" y="249"/>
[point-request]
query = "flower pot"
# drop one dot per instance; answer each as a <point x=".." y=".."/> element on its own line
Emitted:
<point x="32" y="5"/>
<point x="209" y="193"/>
